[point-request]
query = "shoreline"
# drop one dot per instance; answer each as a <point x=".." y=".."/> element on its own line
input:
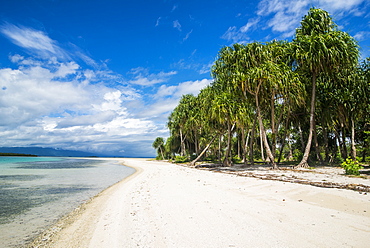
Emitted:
<point x="166" y="205"/>
<point x="46" y="238"/>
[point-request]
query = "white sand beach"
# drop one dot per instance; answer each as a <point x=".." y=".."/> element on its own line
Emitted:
<point x="167" y="205"/>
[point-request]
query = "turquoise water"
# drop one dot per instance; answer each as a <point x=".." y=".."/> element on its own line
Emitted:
<point x="36" y="191"/>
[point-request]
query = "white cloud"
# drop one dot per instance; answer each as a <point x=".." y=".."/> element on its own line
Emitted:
<point x="32" y="40"/>
<point x="338" y="5"/>
<point x="284" y="16"/>
<point x="177" y="25"/>
<point x="144" y="78"/>
<point x="188" y="87"/>
<point x="240" y="35"/>
<point x="174" y="8"/>
<point x="205" y="68"/>
<point x="158" y="21"/>
<point x="250" y="25"/>
<point x="362" y="35"/>
<point x="56" y="104"/>
<point x="167" y="98"/>
<point x="187" y="35"/>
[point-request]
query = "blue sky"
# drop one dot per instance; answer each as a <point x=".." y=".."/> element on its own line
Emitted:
<point x="103" y="76"/>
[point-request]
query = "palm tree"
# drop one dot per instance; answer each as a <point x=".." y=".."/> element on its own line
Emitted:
<point x="180" y="120"/>
<point x="319" y="48"/>
<point x="158" y="144"/>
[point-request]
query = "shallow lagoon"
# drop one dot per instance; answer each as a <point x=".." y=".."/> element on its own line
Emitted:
<point x="36" y="191"/>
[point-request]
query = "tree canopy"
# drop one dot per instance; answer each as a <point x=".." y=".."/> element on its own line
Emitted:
<point x="304" y="101"/>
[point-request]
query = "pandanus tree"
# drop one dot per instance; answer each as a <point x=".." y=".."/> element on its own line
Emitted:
<point x="179" y="121"/>
<point x="263" y="87"/>
<point x="320" y="48"/>
<point x="158" y="144"/>
<point x="209" y="127"/>
<point x="261" y="75"/>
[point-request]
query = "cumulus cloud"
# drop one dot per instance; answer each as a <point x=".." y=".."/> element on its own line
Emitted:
<point x="58" y="104"/>
<point x="168" y="96"/>
<point x="50" y="98"/>
<point x="188" y="87"/>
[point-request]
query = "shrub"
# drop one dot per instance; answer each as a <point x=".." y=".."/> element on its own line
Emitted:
<point x="351" y="167"/>
<point x="181" y="159"/>
<point x="236" y="159"/>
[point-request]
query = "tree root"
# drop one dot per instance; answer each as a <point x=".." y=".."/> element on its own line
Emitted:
<point x="301" y="165"/>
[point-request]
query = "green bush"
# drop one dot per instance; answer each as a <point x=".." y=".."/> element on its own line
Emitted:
<point x="236" y="159"/>
<point x="351" y="167"/>
<point x="181" y="159"/>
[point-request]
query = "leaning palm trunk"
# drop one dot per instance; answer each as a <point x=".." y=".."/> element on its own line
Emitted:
<point x="192" y="163"/>
<point x="304" y="161"/>
<point x="160" y="149"/>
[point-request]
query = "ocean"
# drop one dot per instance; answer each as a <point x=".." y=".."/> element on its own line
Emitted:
<point x="36" y="191"/>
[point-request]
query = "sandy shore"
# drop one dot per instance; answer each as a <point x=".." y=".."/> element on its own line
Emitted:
<point x="166" y="205"/>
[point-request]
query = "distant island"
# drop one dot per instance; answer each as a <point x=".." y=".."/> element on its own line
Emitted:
<point x="10" y="154"/>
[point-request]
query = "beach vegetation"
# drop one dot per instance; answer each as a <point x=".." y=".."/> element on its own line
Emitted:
<point x="303" y="101"/>
<point x="10" y="154"/>
<point x="351" y="167"/>
<point x="158" y="144"/>
<point x="181" y="159"/>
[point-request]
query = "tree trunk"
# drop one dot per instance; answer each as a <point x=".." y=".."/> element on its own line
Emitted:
<point x="192" y="163"/>
<point x="227" y="161"/>
<point x="219" y="148"/>
<point x="344" y="145"/>
<point x="273" y="129"/>
<point x="182" y="144"/>
<point x="263" y="133"/>
<point x="160" y="149"/>
<point x="245" y="142"/>
<point x="196" y="143"/>
<point x="304" y="161"/>
<point x="243" y="145"/>
<point x="326" y="143"/>
<point x="353" y="147"/>
<point x="284" y="139"/>
<point x="238" y="139"/>
<point x="261" y="144"/>
<point x="251" y="150"/>
<point x="317" y="147"/>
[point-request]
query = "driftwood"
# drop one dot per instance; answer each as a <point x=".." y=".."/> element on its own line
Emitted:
<point x="287" y="178"/>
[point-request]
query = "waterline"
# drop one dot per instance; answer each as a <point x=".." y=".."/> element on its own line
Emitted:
<point x="35" y="192"/>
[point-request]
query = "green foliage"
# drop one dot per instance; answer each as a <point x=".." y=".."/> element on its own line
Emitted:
<point x="10" y="154"/>
<point x="301" y="93"/>
<point x="211" y="158"/>
<point x="297" y="155"/>
<point x="181" y="159"/>
<point x="351" y="167"/>
<point x="236" y="159"/>
<point x="159" y="145"/>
